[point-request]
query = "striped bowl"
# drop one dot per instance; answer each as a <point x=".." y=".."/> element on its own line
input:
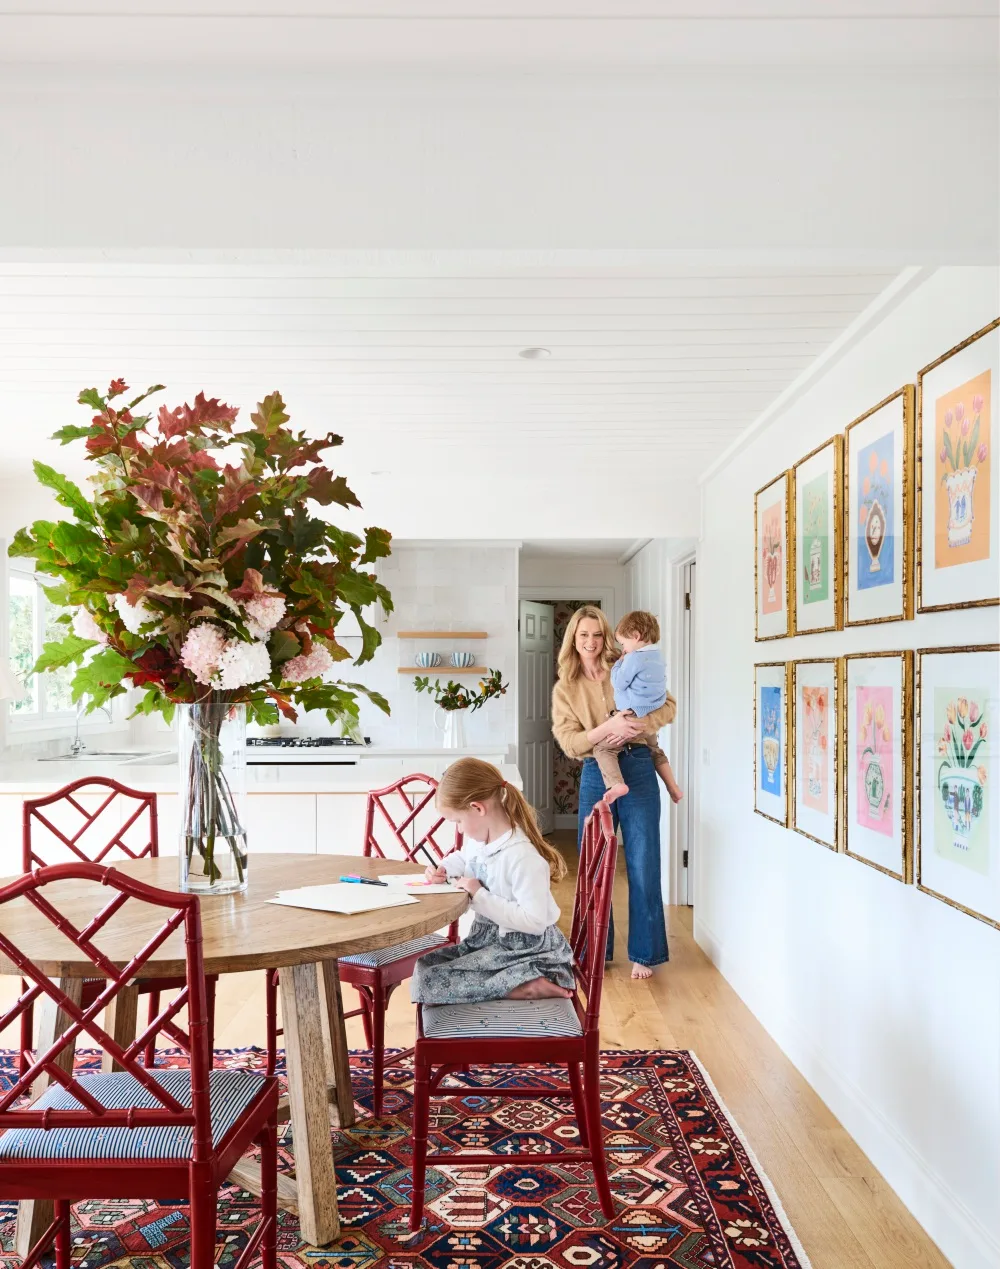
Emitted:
<point x="427" y="660"/>
<point x="462" y="660"/>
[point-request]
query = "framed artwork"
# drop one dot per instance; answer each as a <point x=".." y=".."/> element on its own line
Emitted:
<point x="958" y="476"/>
<point x="877" y="761"/>
<point x="772" y="562"/>
<point x="770" y="765"/>
<point x="958" y="778"/>
<point x="817" y="542"/>
<point x="816" y="760"/>
<point x="879" y="513"/>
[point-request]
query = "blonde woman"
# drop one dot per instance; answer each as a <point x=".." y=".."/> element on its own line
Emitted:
<point x="583" y="715"/>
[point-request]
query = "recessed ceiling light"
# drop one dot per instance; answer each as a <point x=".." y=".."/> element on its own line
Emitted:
<point x="378" y="473"/>
<point x="534" y="354"/>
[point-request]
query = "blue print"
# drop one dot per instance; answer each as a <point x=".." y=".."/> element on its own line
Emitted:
<point x="770" y="740"/>
<point x="876" y="527"/>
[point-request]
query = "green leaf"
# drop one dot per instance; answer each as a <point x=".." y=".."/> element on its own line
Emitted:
<point x="283" y="645"/>
<point x="169" y="590"/>
<point x="101" y="675"/>
<point x="970" y="445"/>
<point x="376" y="698"/>
<point x="91" y="397"/>
<point x="60" y="652"/>
<point x="71" y="432"/>
<point x="378" y="544"/>
<point x="949" y="452"/>
<point x="76" y="542"/>
<point x="66" y="492"/>
<point x="270" y="414"/>
<point x="370" y="639"/>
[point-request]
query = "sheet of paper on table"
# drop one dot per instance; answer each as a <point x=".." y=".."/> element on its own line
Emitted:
<point x="413" y="883"/>
<point x="346" y="898"/>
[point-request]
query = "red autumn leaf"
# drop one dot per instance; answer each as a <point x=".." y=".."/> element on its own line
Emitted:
<point x="324" y="488"/>
<point x="137" y="587"/>
<point x="253" y="585"/>
<point x="285" y="705"/>
<point x="118" y="386"/>
<point x="171" y="423"/>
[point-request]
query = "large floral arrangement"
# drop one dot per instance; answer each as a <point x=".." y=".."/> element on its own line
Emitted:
<point x="195" y="568"/>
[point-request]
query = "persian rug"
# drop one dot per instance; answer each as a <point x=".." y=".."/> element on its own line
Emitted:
<point x="690" y="1194"/>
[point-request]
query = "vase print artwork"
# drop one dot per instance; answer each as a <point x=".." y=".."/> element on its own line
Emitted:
<point x="962" y="441"/>
<point x="772" y="560"/>
<point x="874" y="759"/>
<point x="961" y="819"/>
<point x="815" y="778"/>
<point x="815" y="541"/>
<point x="770" y="740"/>
<point x="876" y="532"/>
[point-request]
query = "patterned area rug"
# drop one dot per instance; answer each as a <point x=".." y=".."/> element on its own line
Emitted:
<point x="690" y="1193"/>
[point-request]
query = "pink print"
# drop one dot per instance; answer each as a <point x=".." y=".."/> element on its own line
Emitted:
<point x="876" y="723"/>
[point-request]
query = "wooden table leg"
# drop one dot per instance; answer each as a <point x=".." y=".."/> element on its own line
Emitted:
<point x="120" y="1020"/>
<point x="319" y="1220"/>
<point x="35" y="1215"/>
<point x="338" y="1061"/>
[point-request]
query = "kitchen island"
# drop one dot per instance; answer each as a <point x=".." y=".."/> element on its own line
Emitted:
<point x="293" y="807"/>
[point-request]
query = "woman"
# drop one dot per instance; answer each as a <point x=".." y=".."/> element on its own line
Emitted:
<point x="583" y="715"/>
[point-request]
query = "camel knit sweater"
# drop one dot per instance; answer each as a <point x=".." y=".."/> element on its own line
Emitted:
<point x="583" y="704"/>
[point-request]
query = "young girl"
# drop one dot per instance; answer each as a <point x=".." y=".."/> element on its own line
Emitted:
<point x="514" y="950"/>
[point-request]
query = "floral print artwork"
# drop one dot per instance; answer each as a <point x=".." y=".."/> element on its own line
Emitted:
<point x="814" y="776"/>
<point x="962" y="507"/>
<point x="961" y="814"/>
<point x="874" y="759"/>
<point x="876" y="529"/>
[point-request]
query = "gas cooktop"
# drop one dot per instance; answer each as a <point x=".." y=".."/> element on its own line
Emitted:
<point x="305" y="742"/>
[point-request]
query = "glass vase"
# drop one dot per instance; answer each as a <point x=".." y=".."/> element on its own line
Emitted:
<point x="212" y="754"/>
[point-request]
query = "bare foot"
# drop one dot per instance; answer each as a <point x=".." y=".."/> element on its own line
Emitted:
<point x="539" y="989"/>
<point x="616" y="791"/>
<point x="641" y="971"/>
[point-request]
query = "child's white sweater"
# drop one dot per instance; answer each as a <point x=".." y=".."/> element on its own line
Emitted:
<point x="517" y="892"/>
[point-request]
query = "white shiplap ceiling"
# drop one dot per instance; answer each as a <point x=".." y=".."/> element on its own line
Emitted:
<point x="415" y="361"/>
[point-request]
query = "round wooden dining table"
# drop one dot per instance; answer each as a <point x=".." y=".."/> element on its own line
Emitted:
<point x="241" y="932"/>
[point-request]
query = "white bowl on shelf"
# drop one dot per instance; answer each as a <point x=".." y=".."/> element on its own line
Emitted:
<point x="462" y="660"/>
<point x="427" y="660"/>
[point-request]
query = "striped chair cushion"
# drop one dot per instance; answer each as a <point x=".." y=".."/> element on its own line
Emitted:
<point x="231" y="1092"/>
<point x="501" y="1018"/>
<point x="386" y="955"/>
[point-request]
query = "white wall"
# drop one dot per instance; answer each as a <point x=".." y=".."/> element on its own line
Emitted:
<point x="885" y="998"/>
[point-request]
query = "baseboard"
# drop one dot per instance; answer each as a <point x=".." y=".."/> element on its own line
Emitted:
<point x="958" y="1233"/>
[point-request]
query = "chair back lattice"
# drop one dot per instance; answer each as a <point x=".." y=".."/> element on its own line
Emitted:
<point x="401" y="822"/>
<point x="182" y="913"/>
<point x="93" y="820"/>
<point x="592" y="908"/>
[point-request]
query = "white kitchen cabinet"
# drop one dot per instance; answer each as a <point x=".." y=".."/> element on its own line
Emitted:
<point x="282" y="823"/>
<point x="340" y="823"/>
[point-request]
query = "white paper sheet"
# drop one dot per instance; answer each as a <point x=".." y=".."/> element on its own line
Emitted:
<point x="347" y="898"/>
<point x="413" y="883"/>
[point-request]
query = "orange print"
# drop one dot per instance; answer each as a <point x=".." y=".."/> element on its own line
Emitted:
<point x="963" y="444"/>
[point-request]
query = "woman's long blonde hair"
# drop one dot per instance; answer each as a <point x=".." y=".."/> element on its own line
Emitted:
<point x="570" y="665"/>
<point x="471" y="780"/>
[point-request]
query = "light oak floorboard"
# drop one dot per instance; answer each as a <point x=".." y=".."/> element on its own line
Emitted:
<point x="841" y="1208"/>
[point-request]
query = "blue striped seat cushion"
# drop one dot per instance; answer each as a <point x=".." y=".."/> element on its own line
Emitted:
<point x="555" y="1018"/>
<point x="386" y="955"/>
<point x="231" y="1092"/>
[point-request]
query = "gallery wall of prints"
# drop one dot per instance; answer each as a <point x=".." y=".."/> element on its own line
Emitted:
<point x="849" y="868"/>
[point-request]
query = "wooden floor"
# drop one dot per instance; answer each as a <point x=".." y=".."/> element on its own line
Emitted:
<point x="844" y="1213"/>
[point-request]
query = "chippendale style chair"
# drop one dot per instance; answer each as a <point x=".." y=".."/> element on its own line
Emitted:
<point x="556" y="1031"/>
<point x="62" y="827"/>
<point x="130" y="1132"/>
<point x="394" y="829"/>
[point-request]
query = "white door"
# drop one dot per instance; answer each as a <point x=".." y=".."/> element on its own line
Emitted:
<point x="534" y="667"/>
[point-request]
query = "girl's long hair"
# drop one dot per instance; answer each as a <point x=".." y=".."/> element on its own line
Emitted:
<point x="569" y="659"/>
<point x="471" y="780"/>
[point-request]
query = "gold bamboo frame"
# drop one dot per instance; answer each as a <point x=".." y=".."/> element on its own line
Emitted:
<point x="836" y="538"/>
<point x="908" y="393"/>
<point x="936" y="894"/>
<point x="772" y="665"/>
<point x="789" y="575"/>
<point x="994" y="404"/>
<point x="839" y="717"/>
<point x="905" y="874"/>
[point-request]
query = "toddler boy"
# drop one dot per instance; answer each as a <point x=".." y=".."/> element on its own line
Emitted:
<point x="639" y="679"/>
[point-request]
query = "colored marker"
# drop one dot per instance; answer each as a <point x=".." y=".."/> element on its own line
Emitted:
<point x="363" y="881"/>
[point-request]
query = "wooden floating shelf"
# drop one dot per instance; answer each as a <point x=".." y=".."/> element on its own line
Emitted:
<point x="442" y="634"/>
<point x="436" y="671"/>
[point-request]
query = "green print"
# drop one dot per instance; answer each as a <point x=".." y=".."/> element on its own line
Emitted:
<point x="814" y="544"/>
<point x="962" y="806"/>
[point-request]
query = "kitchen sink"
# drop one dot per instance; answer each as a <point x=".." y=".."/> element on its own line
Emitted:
<point x="123" y="756"/>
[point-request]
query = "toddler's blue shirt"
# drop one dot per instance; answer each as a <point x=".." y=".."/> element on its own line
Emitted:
<point x="639" y="680"/>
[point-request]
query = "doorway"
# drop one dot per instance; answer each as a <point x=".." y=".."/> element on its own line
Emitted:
<point x="686" y="768"/>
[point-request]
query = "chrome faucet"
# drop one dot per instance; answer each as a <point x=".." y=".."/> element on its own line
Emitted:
<point x="78" y="746"/>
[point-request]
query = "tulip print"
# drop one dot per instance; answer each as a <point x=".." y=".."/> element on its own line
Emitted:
<point x="961" y="451"/>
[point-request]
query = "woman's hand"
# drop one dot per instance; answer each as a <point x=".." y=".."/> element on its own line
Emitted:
<point x="436" y="876"/>
<point x="469" y="884"/>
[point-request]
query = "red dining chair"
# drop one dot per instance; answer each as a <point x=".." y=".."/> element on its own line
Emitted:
<point x="132" y="1132"/>
<point x="558" y="1031"/>
<point x="395" y="822"/>
<point x="121" y="825"/>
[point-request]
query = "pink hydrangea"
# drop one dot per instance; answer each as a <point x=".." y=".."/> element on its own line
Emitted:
<point x="134" y="615"/>
<point x="85" y="627"/>
<point x="312" y="665"/>
<point x="264" y="613"/>
<point x="243" y="663"/>
<point x="202" y="651"/>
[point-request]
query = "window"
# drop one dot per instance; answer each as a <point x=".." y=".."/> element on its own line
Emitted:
<point x="31" y="622"/>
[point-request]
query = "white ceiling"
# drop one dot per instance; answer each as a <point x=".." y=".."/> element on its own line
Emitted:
<point x="635" y="33"/>
<point x="653" y="372"/>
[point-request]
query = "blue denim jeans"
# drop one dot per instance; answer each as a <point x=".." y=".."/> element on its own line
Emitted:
<point x="639" y="814"/>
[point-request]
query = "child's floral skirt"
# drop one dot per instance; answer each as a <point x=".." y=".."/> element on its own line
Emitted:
<point x="488" y="965"/>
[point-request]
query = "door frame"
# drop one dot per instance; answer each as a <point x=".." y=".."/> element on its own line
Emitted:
<point x="682" y="822"/>
<point x="606" y="594"/>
